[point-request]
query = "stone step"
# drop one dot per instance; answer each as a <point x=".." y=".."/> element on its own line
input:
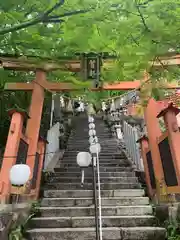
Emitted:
<point x="75" y="147"/>
<point x="89" y="174"/>
<point x="89" y="193"/>
<point x="107" y="221"/>
<point x="72" y="160"/>
<point x="64" y="202"/>
<point x="102" y="159"/>
<point x="89" y="211"/>
<point x="105" y="154"/>
<point x="108" y="164"/>
<point x="89" y="186"/>
<point x="133" y="233"/>
<point x="102" y="169"/>
<point x="90" y="179"/>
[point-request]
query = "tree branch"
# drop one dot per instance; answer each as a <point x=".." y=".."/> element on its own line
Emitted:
<point x="45" y="18"/>
<point x="42" y="18"/>
<point x="145" y="3"/>
<point x="142" y="17"/>
<point x="70" y="13"/>
<point x="56" y="6"/>
<point x="20" y="26"/>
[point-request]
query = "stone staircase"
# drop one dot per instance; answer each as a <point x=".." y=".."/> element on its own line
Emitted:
<point x="67" y="210"/>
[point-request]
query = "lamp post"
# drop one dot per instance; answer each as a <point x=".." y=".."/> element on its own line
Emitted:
<point x="95" y="149"/>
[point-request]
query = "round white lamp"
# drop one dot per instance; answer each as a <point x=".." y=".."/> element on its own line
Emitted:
<point x="95" y="148"/>
<point x="93" y="139"/>
<point x="91" y="126"/>
<point x="92" y="132"/>
<point x="83" y="159"/>
<point x="90" y="119"/>
<point x="103" y="106"/>
<point x="19" y="174"/>
<point x="62" y="102"/>
<point x="112" y="107"/>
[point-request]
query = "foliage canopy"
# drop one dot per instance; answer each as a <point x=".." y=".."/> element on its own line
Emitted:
<point x="136" y="31"/>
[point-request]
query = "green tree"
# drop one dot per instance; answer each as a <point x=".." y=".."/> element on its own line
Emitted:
<point x="135" y="31"/>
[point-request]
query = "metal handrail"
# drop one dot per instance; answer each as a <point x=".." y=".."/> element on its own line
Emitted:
<point x="99" y="197"/>
<point x="94" y="170"/>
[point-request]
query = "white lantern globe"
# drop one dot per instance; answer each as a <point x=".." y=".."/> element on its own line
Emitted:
<point x="62" y="103"/>
<point x="93" y="139"/>
<point x="92" y="132"/>
<point x="103" y="106"/>
<point x="90" y="119"/>
<point x="83" y="159"/>
<point x="82" y="106"/>
<point x="19" y="174"/>
<point x="112" y="107"/>
<point x="95" y="148"/>
<point x="91" y="126"/>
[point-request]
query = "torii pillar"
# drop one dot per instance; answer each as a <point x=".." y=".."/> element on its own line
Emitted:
<point x="35" y="113"/>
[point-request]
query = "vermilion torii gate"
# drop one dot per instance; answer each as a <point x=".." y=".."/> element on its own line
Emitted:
<point x="38" y="87"/>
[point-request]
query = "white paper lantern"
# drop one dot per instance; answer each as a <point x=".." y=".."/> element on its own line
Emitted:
<point x="83" y="159"/>
<point x="69" y="106"/>
<point x="62" y="103"/>
<point x="91" y="126"/>
<point x="103" y="106"/>
<point x="19" y="174"/>
<point x="90" y="109"/>
<point x="121" y="101"/>
<point x="95" y="148"/>
<point x="92" y="132"/>
<point x="82" y="106"/>
<point x="93" y="139"/>
<point x="112" y="108"/>
<point x="90" y="119"/>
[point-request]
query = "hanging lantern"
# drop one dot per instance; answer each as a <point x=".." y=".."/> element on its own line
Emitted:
<point x="91" y="126"/>
<point x="69" y="106"/>
<point x="19" y="174"/>
<point x="62" y="103"/>
<point x="121" y="101"/>
<point x="81" y="106"/>
<point x="83" y="159"/>
<point x="93" y="139"/>
<point x="104" y="106"/>
<point x="90" y="119"/>
<point x="112" y="107"/>
<point x="92" y="132"/>
<point x="95" y="148"/>
<point x="90" y="109"/>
